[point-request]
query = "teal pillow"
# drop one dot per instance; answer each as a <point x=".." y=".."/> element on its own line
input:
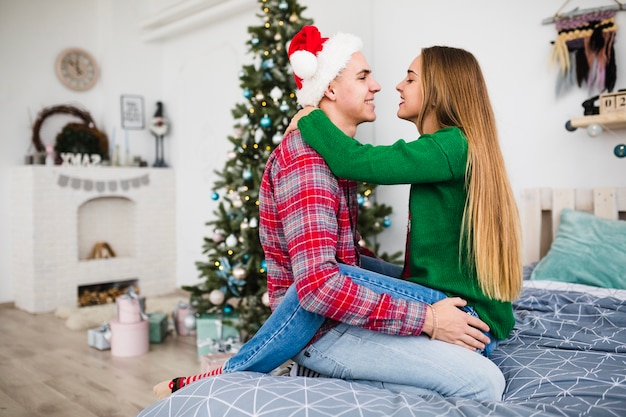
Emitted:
<point x="586" y="250"/>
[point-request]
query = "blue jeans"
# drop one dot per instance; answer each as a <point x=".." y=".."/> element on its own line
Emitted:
<point x="290" y="328"/>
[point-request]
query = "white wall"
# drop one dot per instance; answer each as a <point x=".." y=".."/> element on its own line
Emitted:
<point x="195" y="73"/>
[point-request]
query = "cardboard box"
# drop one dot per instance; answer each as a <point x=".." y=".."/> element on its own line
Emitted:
<point x="158" y="326"/>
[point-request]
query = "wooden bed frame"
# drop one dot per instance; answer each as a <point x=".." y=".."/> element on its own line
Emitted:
<point x="541" y="207"/>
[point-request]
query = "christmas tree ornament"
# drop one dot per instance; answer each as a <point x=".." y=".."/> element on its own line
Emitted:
<point x="190" y="322"/>
<point x="276" y="93"/>
<point x="266" y="121"/>
<point x="247" y="174"/>
<point x="231" y="155"/>
<point x="239" y="272"/>
<point x="254" y="41"/>
<point x="247" y="93"/>
<point x="228" y="309"/>
<point x="231" y="241"/>
<point x="259" y="96"/>
<point x="283" y="5"/>
<point x="265" y="299"/>
<point x="215" y="196"/>
<point x="284" y="107"/>
<point x="217" y="297"/>
<point x="258" y="135"/>
<point x="254" y="223"/>
<point x="218" y="236"/>
<point x="594" y="130"/>
<point x="620" y="150"/>
<point x="386" y="221"/>
<point x="277" y="138"/>
<point x="244" y="225"/>
<point x="360" y="199"/>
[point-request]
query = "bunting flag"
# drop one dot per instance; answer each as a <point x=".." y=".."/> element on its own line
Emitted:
<point x="103" y="185"/>
<point x="584" y="53"/>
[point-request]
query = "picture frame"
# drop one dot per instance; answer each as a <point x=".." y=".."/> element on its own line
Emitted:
<point x="132" y="112"/>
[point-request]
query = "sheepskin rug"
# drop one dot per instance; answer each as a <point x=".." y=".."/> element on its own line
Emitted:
<point x="82" y="318"/>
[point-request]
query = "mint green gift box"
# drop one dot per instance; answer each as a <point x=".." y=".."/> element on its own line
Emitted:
<point x="158" y="326"/>
<point x="211" y="328"/>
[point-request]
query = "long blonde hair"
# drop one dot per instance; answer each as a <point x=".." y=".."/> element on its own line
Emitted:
<point x="454" y="87"/>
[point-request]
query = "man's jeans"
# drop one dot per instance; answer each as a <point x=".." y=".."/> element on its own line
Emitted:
<point x="290" y="328"/>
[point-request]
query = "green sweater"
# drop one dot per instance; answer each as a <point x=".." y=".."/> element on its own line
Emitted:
<point x="434" y="165"/>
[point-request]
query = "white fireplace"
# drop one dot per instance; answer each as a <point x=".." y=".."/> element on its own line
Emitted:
<point x="60" y="213"/>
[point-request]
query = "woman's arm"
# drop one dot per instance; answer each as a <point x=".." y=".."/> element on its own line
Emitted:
<point x="433" y="158"/>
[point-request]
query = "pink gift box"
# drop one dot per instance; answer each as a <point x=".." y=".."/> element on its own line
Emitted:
<point x="130" y="339"/>
<point x="129" y="309"/>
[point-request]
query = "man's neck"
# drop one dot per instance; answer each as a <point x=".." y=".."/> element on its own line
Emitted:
<point x="345" y="124"/>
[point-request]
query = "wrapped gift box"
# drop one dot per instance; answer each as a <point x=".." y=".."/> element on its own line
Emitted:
<point x="211" y="330"/>
<point x="130" y="309"/>
<point x="179" y="314"/>
<point x="99" y="338"/>
<point x="158" y="326"/>
<point x="130" y="339"/>
<point x="216" y="360"/>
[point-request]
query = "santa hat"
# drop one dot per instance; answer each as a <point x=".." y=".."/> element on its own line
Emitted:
<point x="316" y="61"/>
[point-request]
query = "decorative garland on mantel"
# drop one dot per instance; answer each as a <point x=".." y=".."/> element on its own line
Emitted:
<point x="101" y="186"/>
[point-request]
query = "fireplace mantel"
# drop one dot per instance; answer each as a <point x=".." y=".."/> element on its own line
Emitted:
<point x="47" y="265"/>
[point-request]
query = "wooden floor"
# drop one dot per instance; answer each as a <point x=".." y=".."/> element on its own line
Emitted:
<point x="47" y="370"/>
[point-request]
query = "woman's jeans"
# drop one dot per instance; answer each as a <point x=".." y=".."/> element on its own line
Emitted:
<point x="402" y="363"/>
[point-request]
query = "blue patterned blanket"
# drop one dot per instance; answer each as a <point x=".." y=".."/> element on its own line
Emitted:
<point x="565" y="357"/>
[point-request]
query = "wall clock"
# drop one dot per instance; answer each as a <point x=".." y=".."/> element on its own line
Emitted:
<point x="77" y="69"/>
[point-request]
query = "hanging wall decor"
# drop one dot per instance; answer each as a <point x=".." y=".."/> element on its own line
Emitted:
<point x="584" y="49"/>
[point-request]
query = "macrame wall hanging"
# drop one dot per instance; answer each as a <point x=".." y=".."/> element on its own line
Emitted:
<point x="584" y="49"/>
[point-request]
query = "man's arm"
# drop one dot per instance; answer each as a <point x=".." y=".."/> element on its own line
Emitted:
<point x="309" y="199"/>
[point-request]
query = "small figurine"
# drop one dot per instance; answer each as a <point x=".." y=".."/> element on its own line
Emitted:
<point x="159" y="126"/>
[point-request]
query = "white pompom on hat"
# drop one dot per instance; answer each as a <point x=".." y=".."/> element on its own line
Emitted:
<point x="316" y="61"/>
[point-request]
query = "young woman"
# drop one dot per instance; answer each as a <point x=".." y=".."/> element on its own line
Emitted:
<point x="464" y="234"/>
<point x="463" y="241"/>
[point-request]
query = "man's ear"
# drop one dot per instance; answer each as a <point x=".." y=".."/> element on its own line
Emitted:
<point x="329" y="93"/>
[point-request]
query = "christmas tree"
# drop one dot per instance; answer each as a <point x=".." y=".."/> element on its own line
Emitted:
<point x="235" y="281"/>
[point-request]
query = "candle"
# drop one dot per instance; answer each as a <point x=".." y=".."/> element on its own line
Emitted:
<point x="112" y="147"/>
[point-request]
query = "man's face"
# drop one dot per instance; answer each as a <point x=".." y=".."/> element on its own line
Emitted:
<point x="354" y="90"/>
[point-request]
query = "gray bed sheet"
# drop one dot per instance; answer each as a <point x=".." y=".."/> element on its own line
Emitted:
<point x="565" y="357"/>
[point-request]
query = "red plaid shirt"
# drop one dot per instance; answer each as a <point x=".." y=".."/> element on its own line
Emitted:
<point x="307" y="225"/>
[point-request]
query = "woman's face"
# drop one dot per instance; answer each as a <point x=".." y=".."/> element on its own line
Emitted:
<point x="411" y="95"/>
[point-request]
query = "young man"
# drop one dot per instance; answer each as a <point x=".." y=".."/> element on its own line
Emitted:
<point x="307" y="227"/>
<point x="329" y="322"/>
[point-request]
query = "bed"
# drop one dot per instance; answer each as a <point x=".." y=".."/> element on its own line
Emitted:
<point x="565" y="357"/>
